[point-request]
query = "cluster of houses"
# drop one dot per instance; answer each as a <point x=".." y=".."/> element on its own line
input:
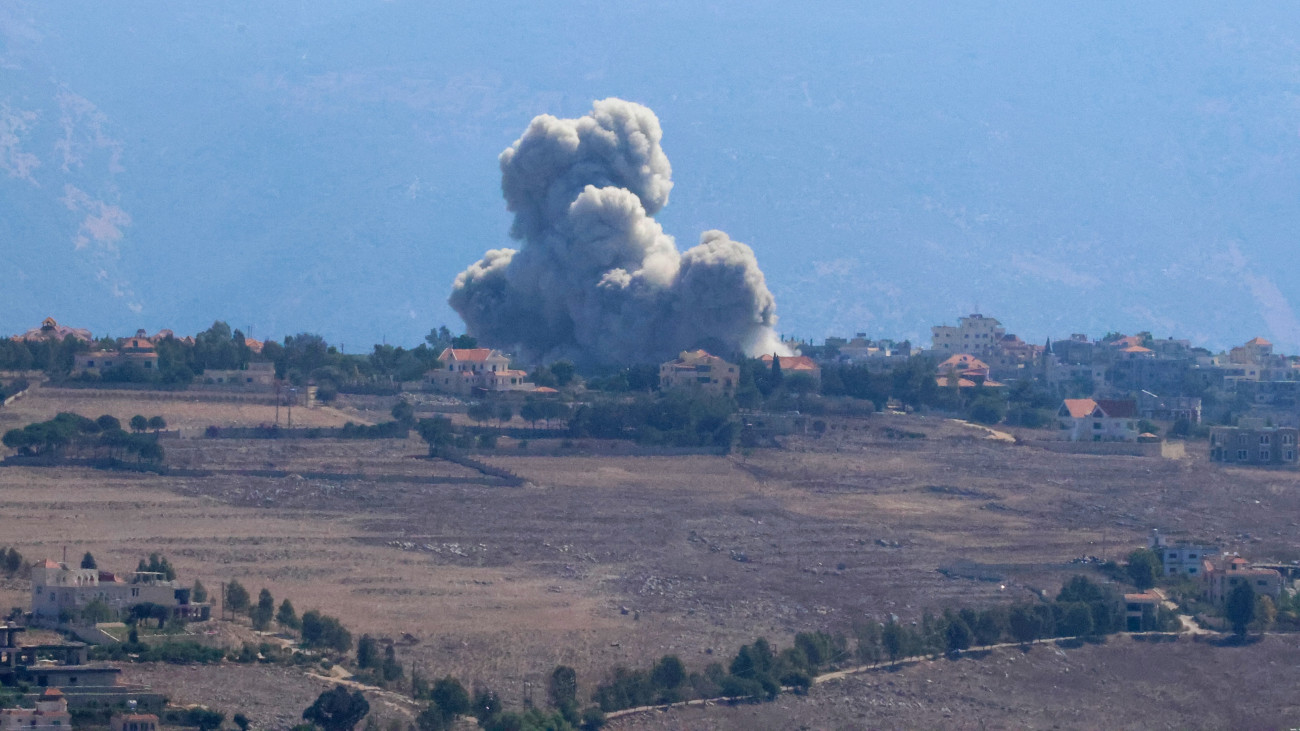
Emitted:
<point x="59" y="671"/>
<point x="1216" y="573"/>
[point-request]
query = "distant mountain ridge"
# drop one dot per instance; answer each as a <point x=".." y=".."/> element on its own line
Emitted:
<point x="331" y="166"/>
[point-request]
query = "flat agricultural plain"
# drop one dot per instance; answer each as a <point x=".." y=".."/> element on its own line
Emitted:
<point x="603" y="561"/>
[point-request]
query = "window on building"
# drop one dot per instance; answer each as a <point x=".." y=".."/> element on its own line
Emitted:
<point x="1290" y="455"/>
<point x="1261" y="582"/>
<point x="1241" y="455"/>
<point x="1243" y="439"/>
<point x="1264" y="454"/>
<point x="1265" y="439"/>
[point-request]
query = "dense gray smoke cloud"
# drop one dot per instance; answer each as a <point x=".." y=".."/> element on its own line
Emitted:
<point x="596" y="279"/>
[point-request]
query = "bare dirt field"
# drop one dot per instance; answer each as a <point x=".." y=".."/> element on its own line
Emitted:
<point x="182" y="410"/>
<point x="604" y="561"/>
<point x="1123" y="684"/>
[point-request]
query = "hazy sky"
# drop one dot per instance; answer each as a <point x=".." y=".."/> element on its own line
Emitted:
<point x="331" y="166"/>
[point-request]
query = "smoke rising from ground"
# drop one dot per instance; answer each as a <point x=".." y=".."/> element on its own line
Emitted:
<point x="595" y="278"/>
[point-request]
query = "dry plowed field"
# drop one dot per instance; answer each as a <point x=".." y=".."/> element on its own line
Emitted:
<point x="603" y="561"/>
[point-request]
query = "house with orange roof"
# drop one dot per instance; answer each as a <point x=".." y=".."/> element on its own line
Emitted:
<point x="1089" y="420"/>
<point x="794" y="364"/>
<point x="699" y="369"/>
<point x="968" y="371"/>
<point x="1140" y="611"/>
<point x="50" y="713"/>
<point x="1220" y="577"/>
<point x="1256" y="351"/>
<point x="137" y="351"/>
<point x="469" y="371"/>
<point x="133" y="722"/>
<point x="986" y="338"/>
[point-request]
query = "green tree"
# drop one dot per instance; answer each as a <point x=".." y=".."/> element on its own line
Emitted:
<point x="337" y="709"/>
<point x="88" y="561"/>
<point x="437" y="432"/>
<point x="668" y="673"/>
<point x="241" y="721"/>
<point x="286" y="617"/>
<point x="531" y="412"/>
<point x="264" y="611"/>
<point x="892" y="638"/>
<point x="1143" y="568"/>
<point x="563" y="371"/>
<point x="959" y="634"/>
<point x="464" y="342"/>
<point x="1076" y="621"/>
<point x="505" y="412"/>
<point x="1025" y="624"/>
<point x="139" y="423"/>
<point x="237" y="599"/>
<point x="157" y="423"/>
<point x="987" y="409"/>
<point x="204" y="719"/>
<point x="989" y="626"/>
<point x="391" y="669"/>
<point x="367" y="652"/>
<point x="562" y="688"/>
<point x="1240" y="607"/>
<point x="480" y="412"/>
<point x="451" y="697"/>
<point x="1080" y="589"/>
<point x="198" y="594"/>
<point x="403" y="412"/>
<point x="13" y="561"/>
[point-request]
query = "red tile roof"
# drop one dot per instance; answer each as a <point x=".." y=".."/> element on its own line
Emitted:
<point x="1118" y="408"/>
<point x="1080" y="408"/>
<point x="474" y="355"/>
<point x="793" y="362"/>
<point x="1258" y="341"/>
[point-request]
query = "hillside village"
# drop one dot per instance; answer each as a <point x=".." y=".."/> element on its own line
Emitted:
<point x="485" y="421"/>
<point x="1113" y="390"/>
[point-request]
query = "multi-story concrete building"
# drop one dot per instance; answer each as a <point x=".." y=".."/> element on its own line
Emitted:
<point x="1253" y="443"/>
<point x="1219" y="579"/>
<point x="60" y="593"/>
<point x="699" y="369"/>
<point x="1180" y="558"/>
<point x="135" y="351"/>
<point x="975" y="334"/>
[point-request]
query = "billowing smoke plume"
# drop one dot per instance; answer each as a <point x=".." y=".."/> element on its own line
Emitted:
<point x="596" y="279"/>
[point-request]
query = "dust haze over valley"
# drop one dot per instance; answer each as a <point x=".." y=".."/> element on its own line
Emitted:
<point x="330" y="166"/>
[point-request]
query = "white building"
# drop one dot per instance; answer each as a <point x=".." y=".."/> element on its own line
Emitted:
<point x="1086" y="420"/>
<point x="467" y="370"/>
<point x="974" y="334"/>
<point x="51" y="712"/>
<point x="1181" y="558"/>
<point x="60" y="593"/>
